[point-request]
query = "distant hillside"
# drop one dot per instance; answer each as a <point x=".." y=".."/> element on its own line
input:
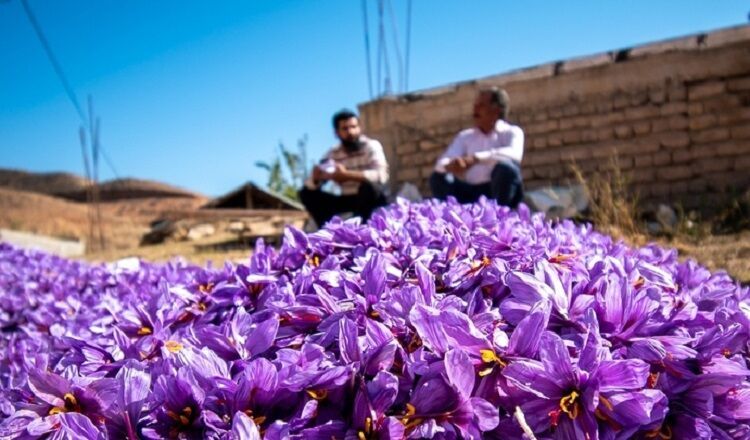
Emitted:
<point x="43" y="183"/>
<point x="129" y="188"/>
<point x="124" y="221"/>
<point x="73" y="187"/>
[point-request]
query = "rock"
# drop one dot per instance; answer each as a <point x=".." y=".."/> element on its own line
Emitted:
<point x="667" y="217"/>
<point x="236" y="227"/>
<point x="200" y="231"/>
<point x="160" y="230"/>
<point x="558" y="201"/>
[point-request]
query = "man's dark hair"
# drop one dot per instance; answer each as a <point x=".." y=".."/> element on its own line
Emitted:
<point x="500" y="97"/>
<point x="342" y="115"/>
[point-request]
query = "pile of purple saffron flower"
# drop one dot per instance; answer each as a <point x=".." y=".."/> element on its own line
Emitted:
<point x="433" y="320"/>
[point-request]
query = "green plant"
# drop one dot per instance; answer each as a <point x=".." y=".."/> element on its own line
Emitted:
<point x="288" y="171"/>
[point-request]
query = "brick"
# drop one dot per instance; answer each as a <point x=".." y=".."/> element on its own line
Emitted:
<point x="431" y="145"/>
<point x="605" y="134"/>
<point x="555" y="113"/>
<point x="554" y="140"/>
<point x="408" y="174"/>
<point x="621" y="101"/>
<point x="642" y="127"/>
<point x="639" y="175"/>
<point x="678" y="187"/>
<point x="714" y="164"/>
<point x="643" y="161"/>
<point x="571" y="110"/>
<point x="742" y="163"/>
<point x="587" y="107"/>
<point x="676" y="172"/>
<point x="677" y="93"/>
<point x="660" y="191"/>
<point x="659" y="125"/>
<point x="603" y="150"/>
<point x="738" y="84"/>
<point x="623" y="131"/>
<point x="702" y="152"/>
<point x="678" y="122"/>
<point x="599" y="120"/>
<point x="662" y="158"/>
<point x="646" y="111"/>
<point x="589" y="136"/>
<point x="527" y="173"/>
<point x="706" y="89"/>
<point x="734" y="115"/>
<point x="540" y="142"/>
<point x="730" y="148"/>
<point x="577" y="153"/>
<point x="703" y="121"/>
<point x="408" y="160"/>
<point x="540" y="116"/>
<point x="427" y="171"/>
<point x="673" y="108"/>
<point x="741" y="132"/>
<point x="604" y="106"/>
<point x="615" y="117"/>
<point x="566" y="124"/>
<point x="722" y="103"/>
<point x="697" y="185"/>
<point x="544" y="157"/>
<point x="674" y="140"/>
<point x="542" y="127"/>
<point x="406" y="148"/>
<point x="695" y="108"/>
<point x="639" y="98"/>
<point x="681" y="156"/>
<point x="711" y="135"/>
<point x="657" y="95"/>
<point x="638" y="146"/>
<point x="571" y="137"/>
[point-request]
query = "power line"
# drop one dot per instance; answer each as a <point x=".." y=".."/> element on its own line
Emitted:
<point x="408" y="45"/>
<point x="53" y="59"/>
<point x="399" y="60"/>
<point x="61" y="76"/>
<point x="367" y="46"/>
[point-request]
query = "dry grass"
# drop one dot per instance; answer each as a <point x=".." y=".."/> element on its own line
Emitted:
<point x="614" y="210"/>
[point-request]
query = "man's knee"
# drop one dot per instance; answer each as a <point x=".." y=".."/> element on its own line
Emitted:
<point x="505" y="172"/>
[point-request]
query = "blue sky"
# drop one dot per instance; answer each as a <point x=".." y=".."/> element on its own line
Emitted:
<point x="193" y="93"/>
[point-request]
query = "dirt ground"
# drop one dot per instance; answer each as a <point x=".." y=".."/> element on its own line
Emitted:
<point x="126" y="221"/>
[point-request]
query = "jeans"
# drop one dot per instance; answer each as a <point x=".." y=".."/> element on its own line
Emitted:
<point x="322" y="206"/>
<point x="505" y="186"/>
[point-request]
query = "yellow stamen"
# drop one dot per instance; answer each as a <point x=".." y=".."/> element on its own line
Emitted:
<point x="56" y="410"/>
<point x="206" y="288"/>
<point x="317" y="394"/>
<point x="486" y="371"/>
<point x="173" y="346"/>
<point x="726" y="352"/>
<point x="569" y="406"/>
<point x="488" y="355"/>
<point x="143" y="331"/>
<point x="368" y="425"/>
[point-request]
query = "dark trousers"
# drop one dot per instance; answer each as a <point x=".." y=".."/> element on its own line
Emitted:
<point x="505" y="186"/>
<point x="322" y="206"/>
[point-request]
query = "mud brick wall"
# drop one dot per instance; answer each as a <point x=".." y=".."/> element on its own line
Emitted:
<point x="676" y="114"/>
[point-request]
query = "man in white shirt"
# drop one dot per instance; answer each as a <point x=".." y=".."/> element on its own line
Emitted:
<point x="485" y="159"/>
<point x="357" y="165"/>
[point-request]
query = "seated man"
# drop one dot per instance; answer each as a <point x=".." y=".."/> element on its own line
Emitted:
<point x="357" y="164"/>
<point x="483" y="160"/>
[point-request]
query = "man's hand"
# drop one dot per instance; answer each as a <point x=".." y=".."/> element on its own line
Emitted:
<point x="318" y="175"/>
<point x="340" y="174"/>
<point x="459" y="165"/>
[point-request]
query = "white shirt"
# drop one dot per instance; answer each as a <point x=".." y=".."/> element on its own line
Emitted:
<point x="505" y="142"/>
<point x="370" y="159"/>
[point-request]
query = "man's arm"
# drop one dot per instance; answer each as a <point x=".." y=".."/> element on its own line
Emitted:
<point x="454" y="151"/>
<point x="513" y="150"/>
<point x="376" y="173"/>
